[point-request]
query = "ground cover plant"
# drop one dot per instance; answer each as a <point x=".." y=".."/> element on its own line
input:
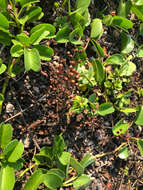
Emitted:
<point x="72" y="68"/>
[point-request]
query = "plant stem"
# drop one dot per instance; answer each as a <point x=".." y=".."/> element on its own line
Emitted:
<point x="5" y="84"/>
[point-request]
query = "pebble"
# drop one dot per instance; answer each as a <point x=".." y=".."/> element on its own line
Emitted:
<point x="10" y="108"/>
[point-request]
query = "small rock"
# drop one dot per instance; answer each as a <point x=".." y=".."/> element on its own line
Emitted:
<point x="10" y="108"/>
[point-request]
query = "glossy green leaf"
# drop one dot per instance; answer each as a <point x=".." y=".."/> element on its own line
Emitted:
<point x="99" y="70"/>
<point x="25" y="3"/>
<point x="35" y="180"/>
<point x="139" y="52"/>
<point x="81" y="182"/>
<point x="124" y="8"/>
<point x="124" y="153"/>
<point x="42" y="160"/>
<point x="140" y="146"/>
<point x="75" y="35"/>
<point x="115" y="59"/>
<point x="120" y="128"/>
<point x="96" y="29"/>
<point x="33" y="14"/>
<point x="82" y="5"/>
<point x="53" y="180"/>
<point x="92" y="98"/>
<point x="59" y="145"/>
<point x="32" y="59"/>
<point x="45" y="52"/>
<point x="7" y="178"/>
<point x="58" y="172"/>
<point x="138" y="2"/>
<point x="106" y="108"/>
<point x="128" y="110"/>
<point x="13" y="151"/>
<point x="127" y="69"/>
<point x="139" y="116"/>
<point x="77" y="166"/>
<point x="107" y="20"/>
<point x="62" y="35"/>
<point x="5" y="134"/>
<point x="138" y="11"/>
<point x="64" y="158"/>
<point x="98" y="48"/>
<point x="87" y="160"/>
<point x="4" y="22"/>
<point x="16" y="50"/>
<point x="3" y="4"/>
<point x="122" y="22"/>
<point x="5" y="37"/>
<point x="2" y="68"/>
<point x="127" y="44"/>
<point x="23" y="39"/>
<point x="46" y="27"/>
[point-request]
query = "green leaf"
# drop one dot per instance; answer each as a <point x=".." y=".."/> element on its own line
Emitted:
<point x="1" y="98"/>
<point x="81" y="182"/>
<point x="45" y="52"/>
<point x="58" y="172"/>
<point x="5" y="134"/>
<point x="99" y="70"/>
<point x="50" y="29"/>
<point x="64" y="158"/>
<point x="16" y="50"/>
<point x="127" y="69"/>
<point x="96" y="29"/>
<point x="32" y="59"/>
<point x="98" y="48"/>
<point x="77" y="166"/>
<point x="139" y="116"/>
<point x="35" y="180"/>
<point x="127" y="44"/>
<point x="59" y="145"/>
<point x="7" y="178"/>
<point x="141" y="29"/>
<point x="13" y="151"/>
<point x="124" y="8"/>
<point x="124" y="153"/>
<point x="128" y="110"/>
<point x="138" y="2"/>
<point x="82" y="5"/>
<point x="4" y="22"/>
<point x="107" y="20"/>
<point x="92" y="98"/>
<point x="62" y="35"/>
<point x="122" y="22"/>
<point x="33" y="14"/>
<point x="5" y="37"/>
<point x="106" y="108"/>
<point x="2" y="68"/>
<point x="140" y="146"/>
<point x="115" y="59"/>
<point x="3" y="4"/>
<point x="87" y="160"/>
<point x="42" y="160"/>
<point x="25" y="3"/>
<point x="23" y="39"/>
<point x="138" y="11"/>
<point x="120" y="128"/>
<point x="53" y="180"/>
<point x="75" y="35"/>
<point x="139" y="52"/>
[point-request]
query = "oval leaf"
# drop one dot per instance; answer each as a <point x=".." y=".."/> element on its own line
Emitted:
<point x="2" y="68"/>
<point x="140" y="146"/>
<point x="87" y="160"/>
<point x="115" y="59"/>
<point x="7" y="178"/>
<point x="77" y="166"/>
<point x="122" y="22"/>
<point x="124" y="153"/>
<point x="16" y="50"/>
<point x="52" y="180"/>
<point x="139" y="116"/>
<point x="5" y="134"/>
<point x="81" y="182"/>
<point x="62" y="35"/>
<point x="35" y="180"/>
<point x="106" y="108"/>
<point x="99" y="70"/>
<point x="32" y="59"/>
<point x="4" y="22"/>
<point x="96" y="29"/>
<point x="127" y="44"/>
<point x="120" y="128"/>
